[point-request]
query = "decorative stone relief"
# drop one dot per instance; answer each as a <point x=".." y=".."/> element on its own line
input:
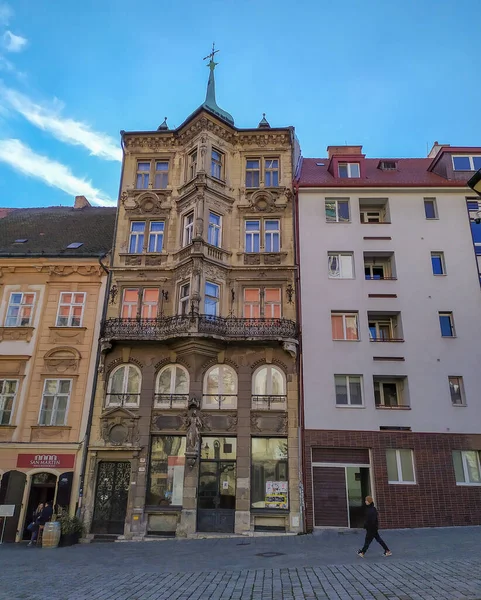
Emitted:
<point x="252" y="259"/>
<point x="119" y="427"/>
<point x="133" y="261"/>
<point x="62" y="360"/>
<point x="272" y="259"/>
<point x="153" y="261"/>
<point x="16" y="334"/>
<point x="282" y="423"/>
<point x="214" y="272"/>
<point x="255" y="423"/>
<point x="290" y="348"/>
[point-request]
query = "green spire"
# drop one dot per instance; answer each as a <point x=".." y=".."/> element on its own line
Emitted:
<point x="210" y="103"/>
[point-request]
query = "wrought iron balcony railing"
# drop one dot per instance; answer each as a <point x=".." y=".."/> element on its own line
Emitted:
<point x="219" y="401"/>
<point x="191" y="325"/>
<point x="171" y="400"/>
<point x="127" y="400"/>
<point x="269" y="402"/>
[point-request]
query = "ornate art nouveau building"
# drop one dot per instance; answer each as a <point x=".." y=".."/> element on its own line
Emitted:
<point x="195" y="424"/>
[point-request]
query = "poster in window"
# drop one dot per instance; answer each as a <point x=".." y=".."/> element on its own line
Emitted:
<point x="276" y="495"/>
<point x="176" y="465"/>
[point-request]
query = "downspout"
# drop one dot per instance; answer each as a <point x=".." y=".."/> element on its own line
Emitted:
<point x="97" y="360"/>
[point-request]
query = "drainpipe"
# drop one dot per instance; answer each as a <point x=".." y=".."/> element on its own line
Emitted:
<point x="97" y="360"/>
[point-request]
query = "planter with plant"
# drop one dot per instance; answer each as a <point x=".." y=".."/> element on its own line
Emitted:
<point x="71" y="529"/>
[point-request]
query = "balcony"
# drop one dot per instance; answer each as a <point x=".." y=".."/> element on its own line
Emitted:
<point x="228" y="328"/>
<point x="269" y="402"/>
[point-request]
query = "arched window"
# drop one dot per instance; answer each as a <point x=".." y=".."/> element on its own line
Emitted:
<point x="220" y="388"/>
<point x="172" y="387"/>
<point x="124" y="386"/>
<point x="269" y="388"/>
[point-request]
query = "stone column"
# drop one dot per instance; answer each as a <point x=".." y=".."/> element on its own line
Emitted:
<point x="243" y="490"/>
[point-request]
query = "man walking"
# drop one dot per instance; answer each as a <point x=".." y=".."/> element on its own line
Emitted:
<point x="372" y="529"/>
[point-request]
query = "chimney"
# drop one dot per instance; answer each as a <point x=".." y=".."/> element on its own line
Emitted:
<point x="344" y="150"/>
<point x="81" y="202"/>
<point x="436" y="148"/>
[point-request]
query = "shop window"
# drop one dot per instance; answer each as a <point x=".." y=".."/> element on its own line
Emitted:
<point x="166" y="473"/>
<point x="269" y="481"/>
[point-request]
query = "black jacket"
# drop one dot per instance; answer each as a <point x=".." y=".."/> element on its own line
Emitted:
<point x="45" y="515"/>
<point x="371" y="523"/>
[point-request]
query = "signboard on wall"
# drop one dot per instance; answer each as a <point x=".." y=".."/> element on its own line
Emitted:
<point x="7" y="510"/>
<point x="44" y="461"/>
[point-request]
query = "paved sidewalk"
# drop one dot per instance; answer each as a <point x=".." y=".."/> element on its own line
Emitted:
<point x="436" y="564"/>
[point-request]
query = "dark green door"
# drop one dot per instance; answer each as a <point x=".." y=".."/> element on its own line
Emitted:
<point x="216" y="496"/>
<point x="111" y="495"/>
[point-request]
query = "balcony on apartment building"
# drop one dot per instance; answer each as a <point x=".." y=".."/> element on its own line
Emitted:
<point x="194" y="325"/>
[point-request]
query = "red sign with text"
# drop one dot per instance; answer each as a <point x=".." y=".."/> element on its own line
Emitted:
<point x="52" y="461"/>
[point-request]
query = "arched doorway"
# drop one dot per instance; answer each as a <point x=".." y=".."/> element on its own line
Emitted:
<point x="42" y="489"/>
<point x="12" y="488"/>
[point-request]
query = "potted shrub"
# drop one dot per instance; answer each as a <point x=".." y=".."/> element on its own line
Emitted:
<point x="71" y="529"/>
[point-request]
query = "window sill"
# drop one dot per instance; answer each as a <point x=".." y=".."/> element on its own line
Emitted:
<point x="7" y="426"/>
<point x="439" y="274"/>
<point x="459" y="405"/>
<point x="163" y="509"/>
<point x="448" y="337"/>
<point x="350" y="406"/>
<point x="393" y="408"/>
<point x="432" y="218"/>
<point x="468" y="484"/>
<point x="70" y="327"/>
<point x="269" y="511"/>
<point x="380" y="278"/>
<point x="56" y="427"/>
<point x="390" y="341"/>
<point x="131" y="406"/>
<point x="346" y="340"/>
<point x="377" y="223"/>
<point x="403" y="483"/>
<point x="340" y="222"/>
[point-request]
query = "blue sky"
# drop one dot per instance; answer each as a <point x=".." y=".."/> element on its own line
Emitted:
<point x="393" y="76"/>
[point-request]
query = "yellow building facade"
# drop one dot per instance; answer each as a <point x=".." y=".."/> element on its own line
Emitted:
<point x="52" y="289"/>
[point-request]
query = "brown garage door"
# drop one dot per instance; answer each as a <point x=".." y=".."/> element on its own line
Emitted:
<point x="330" y="501"/>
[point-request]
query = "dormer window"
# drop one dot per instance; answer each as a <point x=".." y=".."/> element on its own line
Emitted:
<point x="387" y="165"/>
<point x="466" y="163"/>
<point x="349" y="170"/>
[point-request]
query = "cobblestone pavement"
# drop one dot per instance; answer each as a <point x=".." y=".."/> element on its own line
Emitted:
<point x="435" y="564"/>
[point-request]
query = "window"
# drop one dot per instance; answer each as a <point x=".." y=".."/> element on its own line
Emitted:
<point x="340" y="265"/>
<point x="337" y="211"/>
<point x="400" y="466"/>
<point x="271" y="166"/>
<point x="437" y="261"/>
<point x="124" y="386"/>
<point x="143" y="174"/>
<point x="430" y="208"/>
<point x="466" y="467"/>
<point x="70" y="309"/>
<point x="350" y="170"/>
<point x="150" y="303"/>
<point x="269" y="480"/>
<point x="156" y="236"/>
<point x="216" y="164"/>
<point x="467" y="163"/>
<point x="269" y="389"/>
<point x="172" y="387"/>
<point x="74" y="245"/>
<point x="211" y="299"/>
<point x="379" y="266"/>
<point x="8" y="393"/>
<point x="130" y="303"/>
<point x="156" y="171"/>
<point x="271" y="235"/>
<point x="446" y="323"/>
<point x="56" y="396"/>
<point x="262" y="303"/>
<point x="220" y="388"/>
<point x="215" y="229"/>
<point x="387" y="165"/>
<point x="456" y="390"/>
<point x="188" y="229"/>
<point x="344" y="326"/>
<point x="383" y="328"/>
<point x="371" y="216"/>
<point x="348" y="390"/>
<point x="166" y="472"/>
<point x="389" y="393"/>
<point x="253" y="170"/>
<point x="20" y="309"/>
<point x="184" y="299"/>
<point x="192" y="164"/>
<point x="253" y="233"/>
<point x="136" y="241"/>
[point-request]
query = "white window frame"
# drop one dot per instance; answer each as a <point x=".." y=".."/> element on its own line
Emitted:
<point x="451" y="320"/>
<point x="56" y="395"/>
<point x="215" y="298"/>
<point x="400" y="480"/>
<point x="466" y="481"/>
<point x="143" y="173"/>
<point x="273" y="234"/>
<point x="461" y="390"/>
<point x="72" y="306"/>
<point x="349" y="166"/>
<point x="173" y="402"/>
<point x="214" y="229"/>
<point x="252" y="235"/>
<point x="132" y="306"/>
<point x="336" y="202"/>
<point x="386" y="269"/>
<point x="154" y="236"/>
<point x="184" y="300"/>
<point x="250" y="170"/>
<point x="443" y="263"/>
<point x="4" y="398"/>
<point x="435" y="206"/>
<point x="187" y="228"/>
<point x="125" y="383"/>
<point x="337" y="256"/>
<point x="279" y="404"/>
<point x="20" y="306"/>
<point x="271" y="170"/>
<point x="399" y="383"/>
<point x="153" y="307"/>
<point x="220" y="391"/>
<point x="471" y="162"/>
<point x="349" y="403"/>
<point x="136" y="235"/>
<point x="217" y="164"/>
<point x="378" y="322"/>
<point x="344" y="328"/>
<point x="163" y="175"/>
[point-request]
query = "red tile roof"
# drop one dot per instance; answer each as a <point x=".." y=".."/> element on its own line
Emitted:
<point x="410" y="172"/>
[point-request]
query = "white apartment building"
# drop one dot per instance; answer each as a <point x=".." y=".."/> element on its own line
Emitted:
<point x="391" y="338"/>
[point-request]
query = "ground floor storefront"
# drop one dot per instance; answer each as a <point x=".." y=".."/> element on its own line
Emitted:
<point x="416" y="479"/>
<point x="34" y="475"/>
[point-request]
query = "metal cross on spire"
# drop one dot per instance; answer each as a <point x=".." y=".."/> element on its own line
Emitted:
<point x="211" y="62"/>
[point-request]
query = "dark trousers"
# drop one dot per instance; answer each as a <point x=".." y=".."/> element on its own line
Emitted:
<point x="373" y="534"/>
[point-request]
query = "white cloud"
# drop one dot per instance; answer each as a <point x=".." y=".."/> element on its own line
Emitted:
<point x="64" y="129"/>
<point x="23" y="159"/>
<point x="13" y="43"/>
<point x="6" y="13"/>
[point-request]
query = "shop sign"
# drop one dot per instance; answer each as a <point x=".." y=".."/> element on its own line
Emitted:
<point x="51" y="461"/>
